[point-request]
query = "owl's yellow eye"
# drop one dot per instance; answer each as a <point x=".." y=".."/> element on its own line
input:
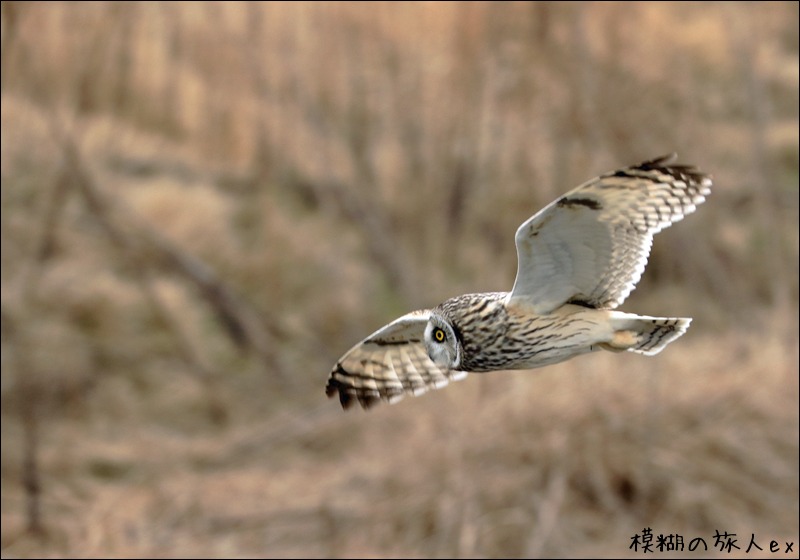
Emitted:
<point x="438" y="335"/>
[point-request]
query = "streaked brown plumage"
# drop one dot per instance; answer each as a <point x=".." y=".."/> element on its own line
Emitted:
<point x="578" y="259"/>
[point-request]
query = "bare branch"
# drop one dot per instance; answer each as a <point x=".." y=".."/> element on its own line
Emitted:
<point x="145" y="247"/>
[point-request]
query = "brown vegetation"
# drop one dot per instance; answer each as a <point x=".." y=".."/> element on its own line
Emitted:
<point x="204" y="205"/>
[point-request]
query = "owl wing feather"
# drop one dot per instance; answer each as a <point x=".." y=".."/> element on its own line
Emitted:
<point x="389" y="364"/>
<point x="591" y="245"/>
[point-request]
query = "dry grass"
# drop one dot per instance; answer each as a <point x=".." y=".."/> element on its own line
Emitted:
<point x="572" y="460"/>
<point x="334" y="165"/>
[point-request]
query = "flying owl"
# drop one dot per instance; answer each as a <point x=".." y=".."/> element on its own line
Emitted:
<point x="577" y="260"/>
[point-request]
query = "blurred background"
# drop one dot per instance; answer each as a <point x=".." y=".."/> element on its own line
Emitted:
<point x="205" y="204"/>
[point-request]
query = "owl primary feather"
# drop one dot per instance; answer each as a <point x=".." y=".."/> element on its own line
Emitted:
<point x="577" y="261"/>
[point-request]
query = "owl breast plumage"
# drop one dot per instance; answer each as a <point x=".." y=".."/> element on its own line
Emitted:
<point x="577" y="260"/>
<point x="495" y="336"/>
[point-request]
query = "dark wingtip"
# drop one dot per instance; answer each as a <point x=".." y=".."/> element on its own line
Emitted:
<point x="666" y="164"/>
<point x="335" y="387"/>
<point x="349" y="396"/>
<point x="341" y="382"/>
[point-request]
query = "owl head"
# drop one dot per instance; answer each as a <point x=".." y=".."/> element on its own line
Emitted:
<point x="443" y="344"/>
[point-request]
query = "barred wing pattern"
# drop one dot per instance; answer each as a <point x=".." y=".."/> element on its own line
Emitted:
<point x="389" y="364"/>
<point x="591" y="245"/>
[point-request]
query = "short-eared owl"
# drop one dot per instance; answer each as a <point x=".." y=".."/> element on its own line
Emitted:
<point x="578" y="259"/>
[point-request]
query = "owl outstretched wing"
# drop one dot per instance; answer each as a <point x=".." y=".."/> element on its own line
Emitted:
<point x="591" y="245"/>
<point x="389" y="364"/>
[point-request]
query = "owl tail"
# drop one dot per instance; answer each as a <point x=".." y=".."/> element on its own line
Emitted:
<point x="643" y="335"/>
